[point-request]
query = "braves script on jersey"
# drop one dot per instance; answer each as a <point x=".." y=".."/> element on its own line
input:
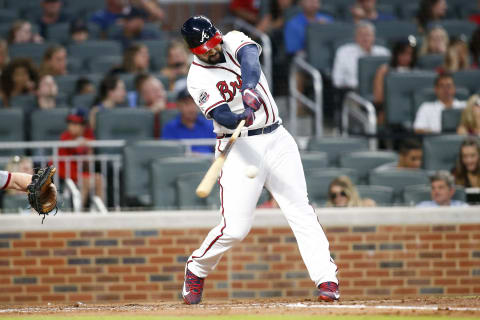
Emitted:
<point x="277" y="158"/>
<point x="213" y="85"/>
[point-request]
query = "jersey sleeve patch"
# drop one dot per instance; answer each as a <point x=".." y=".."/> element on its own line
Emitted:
<point x="203" y="98"/>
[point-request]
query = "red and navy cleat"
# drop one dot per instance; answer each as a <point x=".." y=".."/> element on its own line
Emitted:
<point x="192" y="288"/>
<point x="328" y="292"/>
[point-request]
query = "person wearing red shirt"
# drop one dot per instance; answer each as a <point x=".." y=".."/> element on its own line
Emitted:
<point x="247" y="10"/>
<point x="77" y="129"/>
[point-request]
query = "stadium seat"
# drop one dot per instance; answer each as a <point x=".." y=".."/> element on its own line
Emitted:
<point x="33" y="51"/>
<point x="395" y="30"/>
<point x="24" y="101"/>
<point x="85" y="6"/>
<point x="318" y="182"/>
<point x="14" y="203"/>
<point x="314" y="160"/>
<point x="467" y="79"/>
<point x="337" y="146"/>
<point x="11" y="129"/>
<point x="158" y="53"/>
<point x="21" y="6"/>
<point x="382" y="195"/>
<point x="129" y="80"/>
<point x="66" y="83"/>
<point x="341" y="7"/>
<point x="4" y="28"/>
<point x="164" y="176"/>
<point x="412" y="195"/>
<point x="399" y="89"/>
<point x="124" y="124"/>
<point x="186" y="185"/>
<point x="440" y="152"/>
<point x="59" y="33"/>
<point x="83" y="100"/>
<point x="8" y="15"/>
<point x="94" y="48"/>
<point x="167" y="115"/>
<point x="137" y="158"/>
<point x="428" y="94"/>
<point x="364" y="161"/>
<point x="430" y="61"/>
<point x="74" y="66"/>
<point x="48" y="125"/>
<point x="408" y="11"/>
<point x="457" y="28"/>
<point x="103" y="64"/>
<point x="398" y="179"/>
<point x="451" y="120"/>
<point x="367" y="68"/>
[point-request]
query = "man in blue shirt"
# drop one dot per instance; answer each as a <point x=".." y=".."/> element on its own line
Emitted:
<point x="442" y="191"/>
<point x="296" y="27"/>
<point x="189" y="124"/>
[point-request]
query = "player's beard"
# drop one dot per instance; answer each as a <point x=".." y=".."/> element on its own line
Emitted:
<point x="219" y="57"/>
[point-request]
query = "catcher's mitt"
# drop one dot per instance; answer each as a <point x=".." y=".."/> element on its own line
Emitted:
<point x="42" y="193"/>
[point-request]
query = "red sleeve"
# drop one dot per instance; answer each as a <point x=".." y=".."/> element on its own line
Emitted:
<point x="8" y="181"/>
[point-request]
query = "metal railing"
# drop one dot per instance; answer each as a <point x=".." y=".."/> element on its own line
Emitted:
<point x="316" y="105"/>
<point x="363" y="111"/>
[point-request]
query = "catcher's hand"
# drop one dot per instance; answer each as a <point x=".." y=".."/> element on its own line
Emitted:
<point x="252" y="98"/>
<point x="42" y="193"/>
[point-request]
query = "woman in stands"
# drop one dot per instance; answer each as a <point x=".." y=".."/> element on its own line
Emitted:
<point x="404" y="58"/>
<point x="475" y="48"/>
<point x="470" y="120"/>
<point x="436" y="41"/>
<point x="4" y="58"/>
<point x="342" y="193"/>
<point x="110" y="94"/>
<point x="430" y="11"/>
<point x="177" y="64"/>
<point x="21" y="32"/>
<point x="456" y="57"/>
<point x="136" y="59"/>
<point x="19" y="77"/>
<point x="54" y="61"/>
<point x="467" y="169"/>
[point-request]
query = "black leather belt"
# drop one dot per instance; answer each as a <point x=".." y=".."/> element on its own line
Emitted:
<point x="255" y="132"/>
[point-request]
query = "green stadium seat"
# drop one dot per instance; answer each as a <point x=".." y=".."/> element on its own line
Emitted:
<point x="8" y="15"/>
<point x="59" y="33"/>
<point x="335" y="147"/>
<point x="33" y="51"/>
<point x="83" y="100"/>
<point x="74" y="65"/>
<point x="48" y="125"/>
<point x="318" y="181"/>
<point x="341" y="7"/>
<point x="412" y="195"/>
<point x="129" y="80"/>
<point x="457" y="28"/>
<point x="367" y="68"/>
<point x="468" y="79"/>
<point x="440" y="152"/>
<point x="66" y="83"/>
<point x="430" y="61"/>
<point x="124" y="124"/>
<point x="395" y="30"/>
<point x="137" y="158"/>
<point x="158" y="53"/>
<point x="24" y="101"/>
<point x="103" y="64"/>
<point x="382" y="195"/>
<point x="314" y="160"/>
<point x="14" y="203"/>
<point x="398" y="179"/>
<point x="11" y="129"/>
<point x="365" y="161"/>
<point x="187" y="199"/>
<point x="164" y="177"/>
<point x="451" y="120"/>
<point x="399" y="89"/>
<point x="94" y="48"/>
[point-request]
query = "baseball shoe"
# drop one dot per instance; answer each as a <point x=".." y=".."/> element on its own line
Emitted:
<point x="192" y="288"/>
<point x="328" y="292"/>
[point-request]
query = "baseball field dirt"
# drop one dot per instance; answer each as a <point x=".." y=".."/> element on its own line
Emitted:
<point x="272" y="309"/>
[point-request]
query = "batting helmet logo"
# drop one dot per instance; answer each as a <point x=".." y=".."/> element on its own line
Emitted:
<point x="200" y="34"/>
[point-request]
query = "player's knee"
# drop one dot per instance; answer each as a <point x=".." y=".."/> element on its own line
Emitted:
<point x="237" y="234"/>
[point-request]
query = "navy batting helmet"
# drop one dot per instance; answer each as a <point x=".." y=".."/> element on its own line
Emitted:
<point x="200" y="34"/>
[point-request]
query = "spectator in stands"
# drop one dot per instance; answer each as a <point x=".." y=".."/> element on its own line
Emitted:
<point x="136" y="59"/>
<point x="430" y="11"/>
<point x="343" y="193"/>
<point x="429" y="115"/>
<point x="475" y="48"/>
<point x="152" y="93"/>
<point x="470" y="120"/>
<point x="79" y="31"/>
<point x="84" y="86"/>
<point x="456" y="58"/>
<point x="110" y="94"/>
<point x="19" y="77"/>
<point x="247" y="10"/>
<point x="475" y="16"/>
<point x="410" y="154"/>
<point x="4" y="58"/>
<point x="274" y="18"/>
<point x="108" y="16"/>
<point x="134" y="28"/>
<point x="367" y="10"/>
<point x="21" y="32"/>
<point x="404" y="58"/>
<point x="78" y="170"/>
<point x="467" y="168"/>
<point x="54" y="61"/>
<point x="177" y="63"/>
<point x="151" y="7"/>
<point x="296" y="27"/>
<point x="19" y="164"/>
<point x="436" y="41"/>
<point x="189" y="124"/>
<point x="345" y="66"/>
<point x="51" y="14"/>
<point x="46" y="92"/>
<point x="442" y="191"/>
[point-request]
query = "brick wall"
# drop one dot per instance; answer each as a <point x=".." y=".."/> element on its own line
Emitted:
<point x="148" y="264"/>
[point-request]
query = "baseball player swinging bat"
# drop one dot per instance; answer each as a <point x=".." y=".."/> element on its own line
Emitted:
<point x="208" y="181"/>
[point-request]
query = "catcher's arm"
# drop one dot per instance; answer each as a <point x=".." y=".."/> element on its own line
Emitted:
<point x="19" y="181"/>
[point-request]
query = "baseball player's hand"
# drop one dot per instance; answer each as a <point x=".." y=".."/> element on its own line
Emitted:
<point x="252" y="99"/>
<point x="249" y="116"/>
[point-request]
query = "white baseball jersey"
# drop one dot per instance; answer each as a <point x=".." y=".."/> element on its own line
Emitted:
<point x="213" y="85"/>
<point x="277" y="158"/>
<point x="4" y="179"/>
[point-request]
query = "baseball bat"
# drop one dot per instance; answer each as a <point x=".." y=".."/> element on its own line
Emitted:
<point x="208" y="181"/>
